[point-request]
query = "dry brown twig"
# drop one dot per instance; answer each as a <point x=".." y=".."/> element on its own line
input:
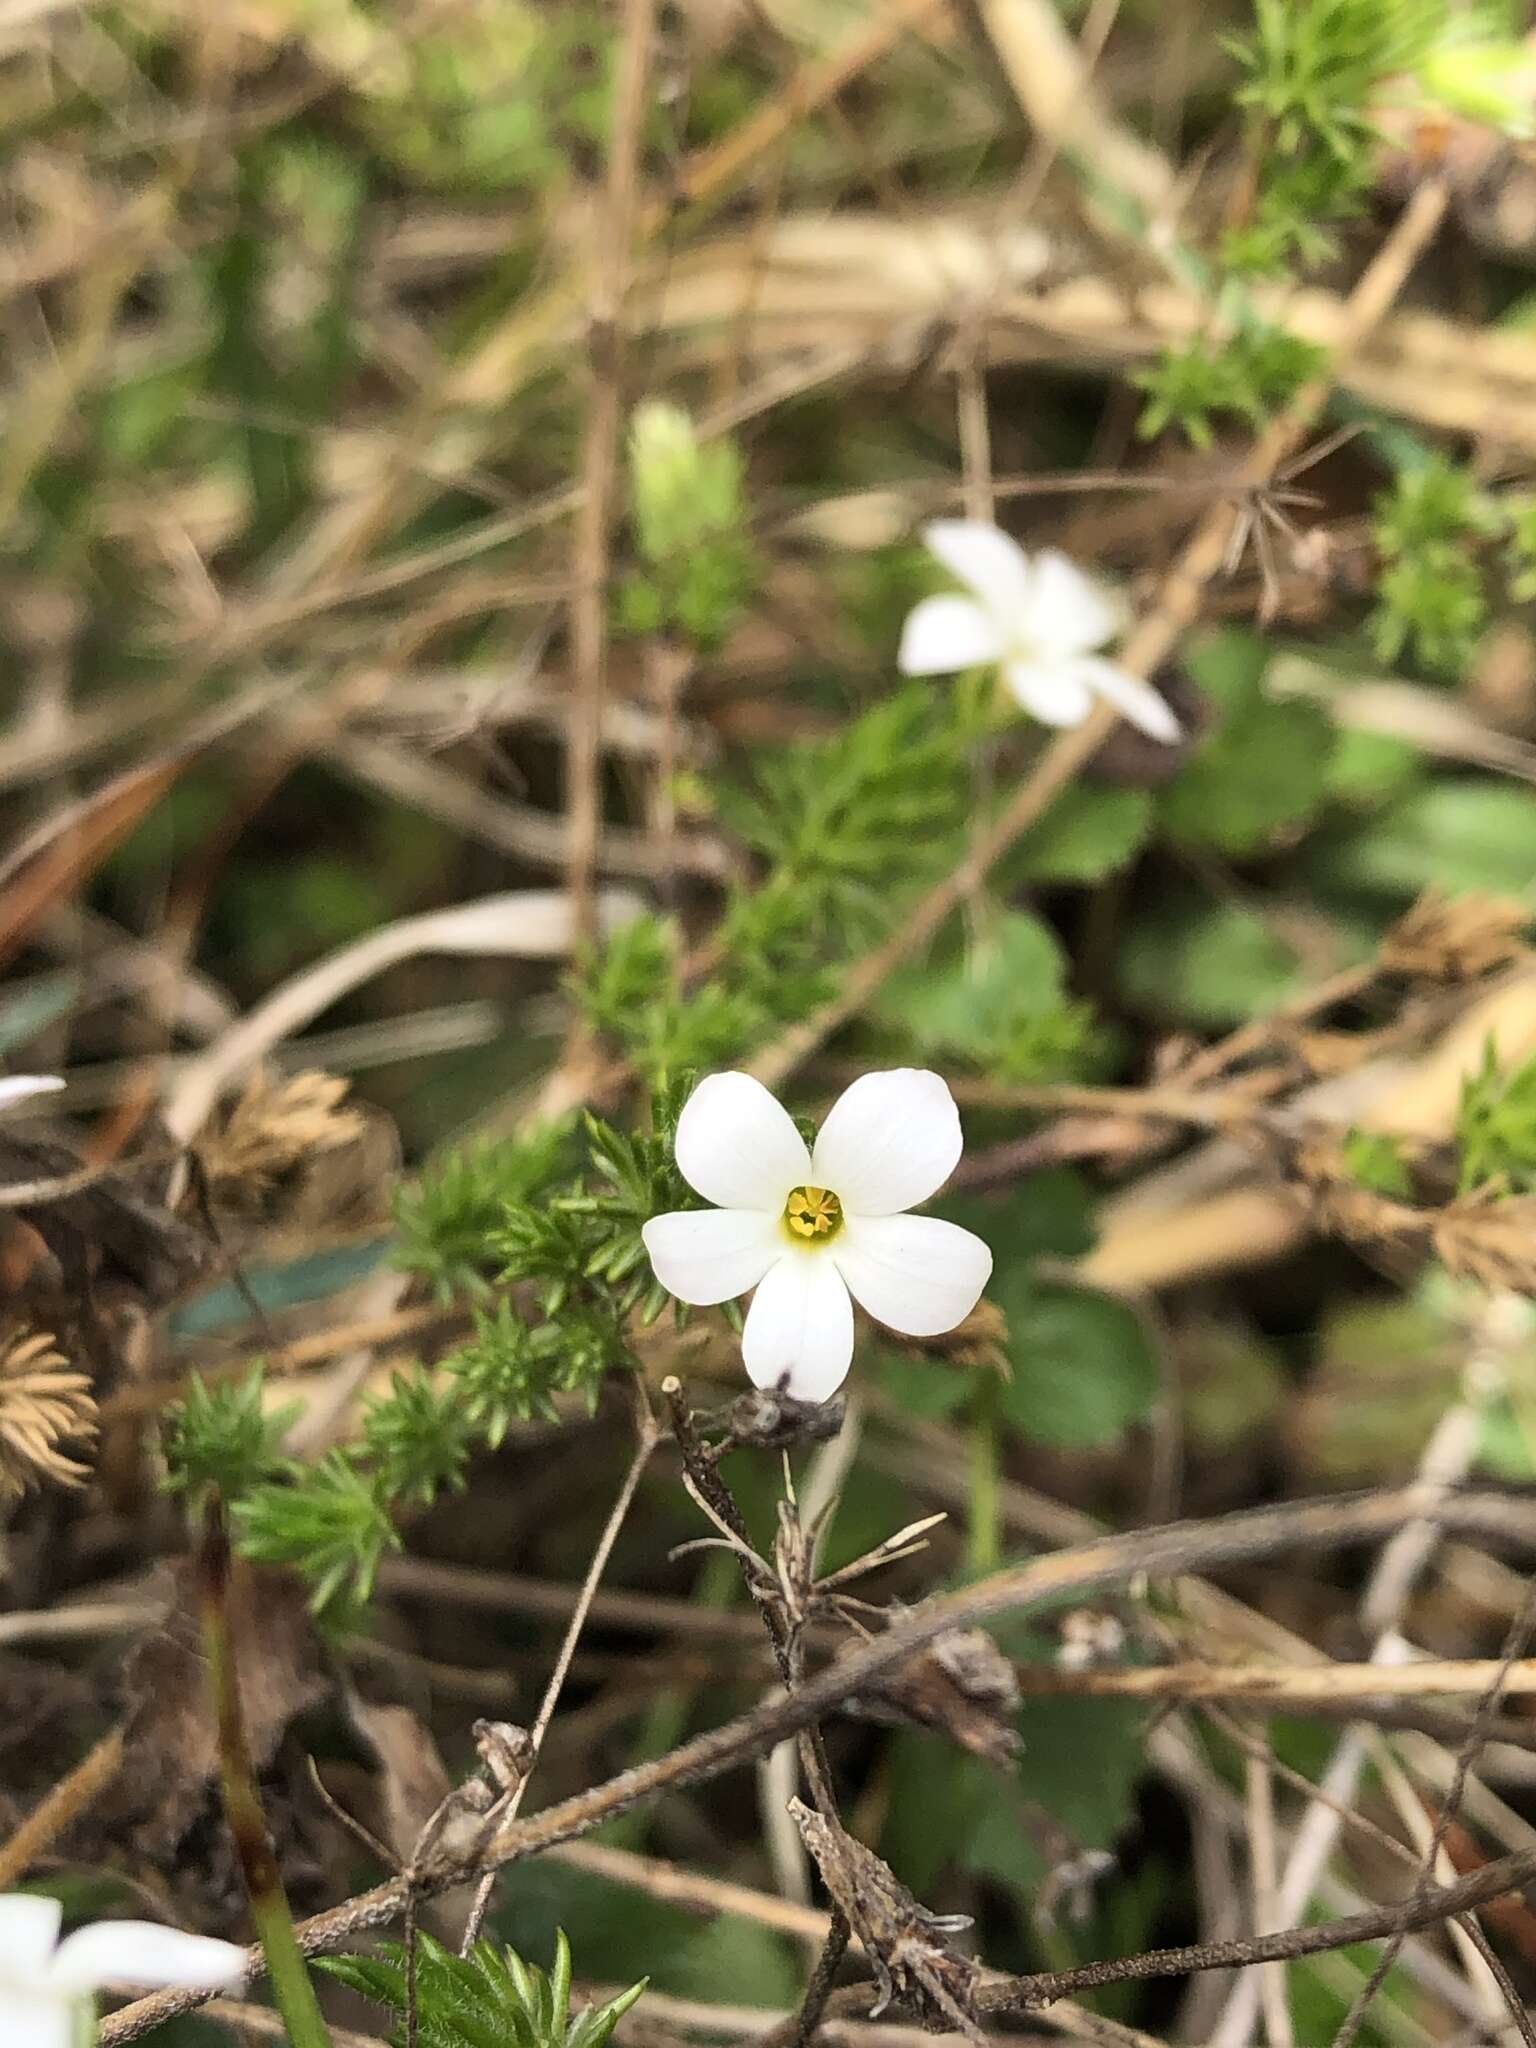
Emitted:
<point x="1177" y="1549"/>
<point x="594" y="518"/>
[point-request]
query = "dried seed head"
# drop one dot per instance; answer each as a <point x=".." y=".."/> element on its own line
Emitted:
<point x="963" y="1686"/>
<point x="1455" y="938"/>
<point x="903" y="1940"/>
<point x="774" y="1421"/>
<point x="1489" y="1240"/>
<point x="43" y="1404"/>
<point x="1341" y="1207"/>
<point x="272" y="1126"/>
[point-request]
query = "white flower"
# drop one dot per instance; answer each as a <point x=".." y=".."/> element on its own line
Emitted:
<point x="808" y="1229"/>
<point x="45" y="1983"/>
<point x="1039" y="619"/>
<point x="18" y="1087"/>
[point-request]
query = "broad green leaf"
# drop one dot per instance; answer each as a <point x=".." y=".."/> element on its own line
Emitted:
<point x="1474" y="833"/>
<point x="1051" y="1212"/>
<point x="963" y="1005"/>
<point x="1083" y="1370"/>
<point x="1262" y="765"/>
<point x="950" y="1809"/>
<point x="1087" y="833"/>
<point x="1212" y="964"/>
<point x="1369" y="767"/>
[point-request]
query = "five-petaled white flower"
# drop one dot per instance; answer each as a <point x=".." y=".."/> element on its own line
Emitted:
<point x="45" y="1983"/>
<point x="16" y="1088"/>
<point x="808" y="1229"/>
<point x="1040" y="619"/>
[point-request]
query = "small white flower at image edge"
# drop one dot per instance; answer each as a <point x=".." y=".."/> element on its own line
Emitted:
<point x="46" y="1984"/>
<point x="15" y="1088"/>
<point x="814" y="1230"/>
<point x="1039" y="618"/>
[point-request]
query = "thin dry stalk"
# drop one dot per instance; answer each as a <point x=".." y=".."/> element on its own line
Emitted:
<point x="599" y="468"/>
<point x="1445" y="1462"/>
<point x="1262" y="1864"/>
<point x="1181" y="1547"/>
<point x="1518" y="1636"/>
<point x="1288" y="1684"/>
<point x="646" y="1437"/>
<point x="64" y="1803"/>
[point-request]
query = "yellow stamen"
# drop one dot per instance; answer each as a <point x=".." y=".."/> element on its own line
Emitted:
<point x="813" y="1213"/>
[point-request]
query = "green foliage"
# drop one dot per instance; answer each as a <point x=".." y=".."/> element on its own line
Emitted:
<point x="690" y="519"/>
<point x="219" y="1438"/>
<point x="946" y="1809"/>
<point x="1432" y="504"/>
<point x="560" y="1212"/>
<point x="1260" y="769"/>
<point x="417" y="1439"/>
<point x="333" y="1524"/>
<point x="845" y="828"/>
<point x="1521" y="556"/>
<point x="1209" y="964"/>
<point x="1432" y="597"/>
<point x="1476" y="833"/>
<point x="1086" y="835"/>
<point x="1083" y="1370"/>
<point x="845" y="820"/>
<point x="1375" y="1159"/>
<point x="448" y="1219"/>
<point x="1496" y="1126"/>
<point x="490" y="1998"/>
<point x="1311" y="75"/>
<point x="1313" y="66"/>
<point x="1246" y="375"/>
<point x="1488" y="80"/>
<point x="469" y="103"/>
<point x="632" y="990"/>
<point x="1365" y="768"/>
<point x="1312" y="71"/>
<point x="1001" y="1005"/>
<point x="511" y="1370"/>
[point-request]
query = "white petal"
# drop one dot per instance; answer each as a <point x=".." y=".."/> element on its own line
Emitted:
<point x="990" y="564"/>
<point x="943" y="634"/>
<point x="36" y="2019"/>
<point x="140" y="1952"/>
<point x="1053" y="692"/>
<point x="1069" y="613"/>
<point x="736" y="1145"/>
<point x="18" y="1087"/>
<point x="890" y="1140"/>
<point x="799" y="1330"/>
<point x="916" y="1273"/>
<point x="708" y="1255"/>
<point x="29" y="1930"/>
<point x="1131" y="697"/>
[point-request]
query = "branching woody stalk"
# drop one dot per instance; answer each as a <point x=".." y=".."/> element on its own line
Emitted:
<point x="1178" y="1548"/>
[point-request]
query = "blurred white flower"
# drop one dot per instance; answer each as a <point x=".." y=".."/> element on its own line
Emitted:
<point x="809" y="1229"/>
<point x="16" y="1088"/>
<point x="1040" y="619"/>
<point x="45" y="1983"/>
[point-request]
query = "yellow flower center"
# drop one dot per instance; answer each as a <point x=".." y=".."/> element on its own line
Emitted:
<point x="812" y="1214"/>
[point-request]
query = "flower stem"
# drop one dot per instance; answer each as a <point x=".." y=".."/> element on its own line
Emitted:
<point x="291" y="1986"/>
<point x="984" y="1533"/>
